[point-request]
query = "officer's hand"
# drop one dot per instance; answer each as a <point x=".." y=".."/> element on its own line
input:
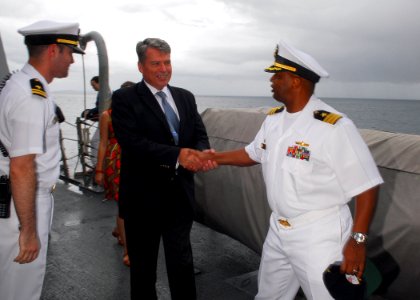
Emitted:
<point x="354" y="258"/>
<point x="208" y="163"/>
<point x="28" y="247"/>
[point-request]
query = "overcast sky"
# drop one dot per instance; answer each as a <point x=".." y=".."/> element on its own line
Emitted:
<point x="371" y="48"/>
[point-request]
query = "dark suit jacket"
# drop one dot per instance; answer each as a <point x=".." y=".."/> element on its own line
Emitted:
<point x="149" y="155"/>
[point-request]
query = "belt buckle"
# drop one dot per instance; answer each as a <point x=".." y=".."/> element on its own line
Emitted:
<point x="284" y="223"/>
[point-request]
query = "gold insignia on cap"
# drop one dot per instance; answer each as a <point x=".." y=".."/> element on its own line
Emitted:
<point x="285" y="67"/>
<point x="38" y="88"/>
<point x="67" y="42"/>
<point x="327" y="116"/>
<point x="275" y="110"/>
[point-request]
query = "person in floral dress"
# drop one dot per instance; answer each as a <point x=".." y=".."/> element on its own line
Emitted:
<point x="107" y="172"/>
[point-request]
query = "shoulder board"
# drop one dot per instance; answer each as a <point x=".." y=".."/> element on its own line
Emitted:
<point x="327" y="116"/>
<point x="275" y="110"/>
<point x="38" y="88"/>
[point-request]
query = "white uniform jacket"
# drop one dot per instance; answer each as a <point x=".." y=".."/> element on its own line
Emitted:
<point x="312" y="165"/>
<point x="28" y="125"/>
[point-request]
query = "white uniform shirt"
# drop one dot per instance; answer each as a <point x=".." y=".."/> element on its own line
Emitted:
<point x="312" y="165"/>
<point x="28" y="125"/>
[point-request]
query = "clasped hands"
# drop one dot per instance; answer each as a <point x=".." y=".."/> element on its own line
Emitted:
<point x="194" y="160"/>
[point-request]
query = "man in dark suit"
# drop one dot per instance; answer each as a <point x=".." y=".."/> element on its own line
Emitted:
<point x="157" y="165"/>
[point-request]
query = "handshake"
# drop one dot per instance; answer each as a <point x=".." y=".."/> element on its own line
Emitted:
<point x="194" y="160"/>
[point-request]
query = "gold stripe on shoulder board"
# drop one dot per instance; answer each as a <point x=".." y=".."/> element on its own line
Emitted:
<point x="275" y="110"/>
<point x="327" y="116"/>
<point x="38" y="88"/>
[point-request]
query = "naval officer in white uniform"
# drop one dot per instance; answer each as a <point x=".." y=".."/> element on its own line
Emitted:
<point x="29" y="132"/>
<point x="314" y="162"/>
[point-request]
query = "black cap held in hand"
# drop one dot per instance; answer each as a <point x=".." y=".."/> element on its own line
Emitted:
<point x="340" y="287"/>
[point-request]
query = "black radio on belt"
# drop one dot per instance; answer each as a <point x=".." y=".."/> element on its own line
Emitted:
<point x="5" y="197"/>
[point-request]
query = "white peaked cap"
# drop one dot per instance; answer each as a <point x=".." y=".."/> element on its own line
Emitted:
<point x="51" y="32"/>
<point x="289" y="58"/>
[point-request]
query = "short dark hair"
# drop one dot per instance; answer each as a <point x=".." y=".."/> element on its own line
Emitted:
<point x="156" y="43"/>
<point x="127" y="84"/>
<point x="36" y="50"/>
<point x="95" y="78"/>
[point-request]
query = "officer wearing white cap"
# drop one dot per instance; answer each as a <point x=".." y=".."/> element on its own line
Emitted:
<point x="49" y="32"/>
<point x="29" y="133"/>
<point x="314" y="162"/>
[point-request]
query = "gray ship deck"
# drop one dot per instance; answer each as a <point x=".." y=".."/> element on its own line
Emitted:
<point x="85" y="261"/>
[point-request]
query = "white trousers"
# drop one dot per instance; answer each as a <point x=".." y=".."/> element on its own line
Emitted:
<point x="24" y="281"/>
<point x="297" y="256"/>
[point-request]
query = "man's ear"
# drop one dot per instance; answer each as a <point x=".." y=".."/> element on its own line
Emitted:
<point x="297" y="81"/>
<point x="140" y="67"/>
<point x="52" y="50"/>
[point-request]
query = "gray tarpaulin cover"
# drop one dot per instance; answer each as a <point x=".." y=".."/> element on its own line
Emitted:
<point x="232" y="200"/>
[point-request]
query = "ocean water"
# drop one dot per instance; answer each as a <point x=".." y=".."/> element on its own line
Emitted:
<point x="400" y="116"/>
<point x="397" y="115"/>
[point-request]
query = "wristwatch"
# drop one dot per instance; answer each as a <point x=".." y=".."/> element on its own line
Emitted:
<point x="359" y="237"/>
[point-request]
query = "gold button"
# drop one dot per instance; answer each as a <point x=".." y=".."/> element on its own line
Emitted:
<point x="284" y="223"/>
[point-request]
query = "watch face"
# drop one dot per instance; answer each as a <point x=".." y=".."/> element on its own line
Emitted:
<point x="359" y="237"/>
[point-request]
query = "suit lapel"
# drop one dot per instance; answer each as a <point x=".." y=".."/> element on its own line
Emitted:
<point x="149" y="100"/>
